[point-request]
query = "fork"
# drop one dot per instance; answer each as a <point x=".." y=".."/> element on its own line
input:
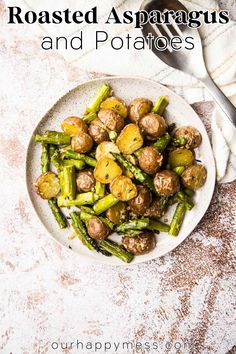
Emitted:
<point x="188" y="61"/>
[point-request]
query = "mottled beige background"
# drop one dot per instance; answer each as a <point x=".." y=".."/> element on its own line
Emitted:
<point x="187" y="296"/>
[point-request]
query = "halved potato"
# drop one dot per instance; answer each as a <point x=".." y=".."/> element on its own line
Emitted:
<point x="123" y="188"/>
<point x="47" y="185"/>
<point x="130" y="139"/>
<point x="73" y="126"/>
<point x="104" y="150"/>
<point x="106" y="170"/>
<point x="117" y="104"/>
<point x="180" y="157"/>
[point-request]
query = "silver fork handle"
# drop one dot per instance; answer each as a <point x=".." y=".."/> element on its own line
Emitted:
<point x="224" y="103"/>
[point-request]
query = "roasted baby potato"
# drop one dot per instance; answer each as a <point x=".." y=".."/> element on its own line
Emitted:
<point x="117" y="104"/>
<point x="130" y="139"/>
<point x="47" y="185"/>
<point x="97" y="229"/>
<point x="141" y="244"/>
<point x="105" y="148"/>
<point x="180" y="157"/>
<point x="156" y="210"/>
<point x="73" y="126"/>
<point x="166" y="183"/>
<point x="117" y="213"/>
<point x="142" y="201"/>
<point x="194" y="176"/>
<point x="111" y="119"/>
<point x="82" y="143"/>
<point x="97" y="131"/>
<point x="85" y="181"/>
<point x="152" y="125"/>
<point x="123" y="188"/>
<point x="150" y="160"/>
<point x="106" y="170"/>
<point x="191" y="134"/>
<point x="139" y="108"/>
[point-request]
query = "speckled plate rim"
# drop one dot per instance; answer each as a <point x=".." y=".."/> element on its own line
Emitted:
<point x="86" y="260"/>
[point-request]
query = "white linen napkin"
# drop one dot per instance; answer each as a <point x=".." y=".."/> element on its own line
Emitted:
<point x="219" y="49"/>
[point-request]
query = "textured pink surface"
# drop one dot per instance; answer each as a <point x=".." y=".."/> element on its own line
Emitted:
<point x="46" y="295"/>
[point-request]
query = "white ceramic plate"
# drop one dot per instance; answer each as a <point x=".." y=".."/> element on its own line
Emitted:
<point x="128" y="88"/>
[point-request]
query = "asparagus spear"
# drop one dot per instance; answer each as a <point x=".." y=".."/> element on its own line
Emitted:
<point x="116" y="250"/>
<point x="138" y="224"/>
<point x="100" y="189"/>
<point x="62" y="184"/>
<point x="179" y="170"/>
<point x="56" y="160"/>
<point x="102" y="93"/>
<point x="55" y="138"/>
<point x="70" y="154"/>
<point x="69" y="182"/>
<point x="81" y="232"/>
<point x="177" y="219"/>
<point x="89" y="117"/>
<point x="87" y="210"/>
<point x="78" y="164"/>
<point x="181" y="197"/>
<point x="59" y="216"/>
<point x="52" y="149"/>
<point x="105" y="203"/>
<point x="136" y="171"/>
<point x="45" y="162"/>
<point x="112" y="135"/>
<point x="155" y="225"/>
<point x="160" y="105"/>
<point x="189" y="192"/>
<point x="162" y="142"/>
<point x="81" y="199"/>
<point x="178" y="141"/>
<point x="132" y="233"/>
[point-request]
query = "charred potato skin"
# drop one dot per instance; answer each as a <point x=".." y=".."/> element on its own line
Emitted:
<point x="141" y="244"/>
<point x="97" y="229"/>
<point x="142" y="201"/>
<point x="74" y="125"/>
<point x="156" y="210"/>
<point x="191" y="134"/>
<point x="138" y="108"/>
<point x="98" y="131"/>
<point x="117" y="213"/>
<point x="194" y="176"/>
<point x="82" y="143"/>
<point x="150" y="160"/>
<point x="152" y="125"/>
<point x="111" y="119"/>
<point x="85" y="181"/>
<point x="166" y="183"/>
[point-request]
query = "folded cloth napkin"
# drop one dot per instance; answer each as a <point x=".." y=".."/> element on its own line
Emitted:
<point x="219" y="51"/>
